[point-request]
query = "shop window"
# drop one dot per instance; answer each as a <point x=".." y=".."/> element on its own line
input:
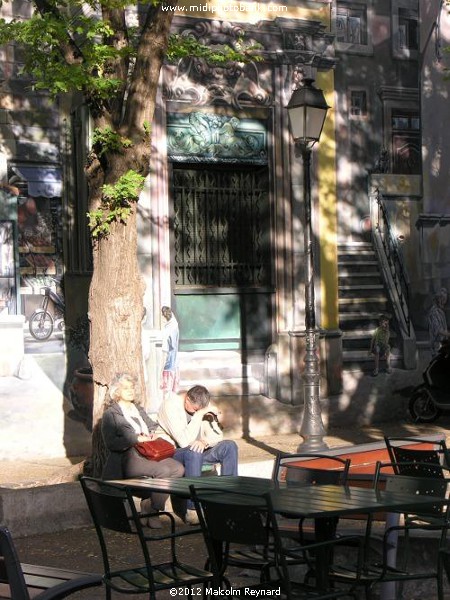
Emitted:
<point x="39" y="231"/>
<point x="7" y="268"/>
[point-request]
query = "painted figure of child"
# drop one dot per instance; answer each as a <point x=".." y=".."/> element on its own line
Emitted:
<point x="379" y="345"/>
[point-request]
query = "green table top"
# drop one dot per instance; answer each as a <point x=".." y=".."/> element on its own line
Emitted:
<point x="310" y="501"/>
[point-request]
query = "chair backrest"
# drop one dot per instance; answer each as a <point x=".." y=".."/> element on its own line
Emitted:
<point x="417" y="484"/>
<point x="228" y="518"/>
<point x="310" y="469"/>
<point x="10" y="569"/>
<point x="430" y="458"/>
<point x="112" y="508"/>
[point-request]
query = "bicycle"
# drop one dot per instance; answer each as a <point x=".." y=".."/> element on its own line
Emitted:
<point x="42" y="322"/>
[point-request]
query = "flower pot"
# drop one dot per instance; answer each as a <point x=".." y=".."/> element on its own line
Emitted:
<point x="81" y="393"/>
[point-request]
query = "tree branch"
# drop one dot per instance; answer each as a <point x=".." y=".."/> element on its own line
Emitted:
<point x="151" y="53"/>
<point x="70" y="51"/>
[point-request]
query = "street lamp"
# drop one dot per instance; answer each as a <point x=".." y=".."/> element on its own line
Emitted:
<point x="307" y="110"/>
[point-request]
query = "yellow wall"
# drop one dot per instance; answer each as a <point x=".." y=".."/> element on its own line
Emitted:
<point x="327" y="228"/>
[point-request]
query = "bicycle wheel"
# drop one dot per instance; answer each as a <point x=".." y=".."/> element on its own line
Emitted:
<point x="41" y="325"/>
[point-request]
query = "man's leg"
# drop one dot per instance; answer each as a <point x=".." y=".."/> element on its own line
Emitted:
<point x="192" y="461"/>
<point x="225" y="453"/>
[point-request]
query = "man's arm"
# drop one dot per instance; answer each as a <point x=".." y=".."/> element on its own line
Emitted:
<point x="172" y="419"/>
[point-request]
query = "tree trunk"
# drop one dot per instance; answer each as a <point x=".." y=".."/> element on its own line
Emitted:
<point x="115" y="311"/>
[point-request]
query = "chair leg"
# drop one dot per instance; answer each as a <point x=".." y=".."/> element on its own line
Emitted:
<point x="440" y="587"/>
<point x="440" y="576"/>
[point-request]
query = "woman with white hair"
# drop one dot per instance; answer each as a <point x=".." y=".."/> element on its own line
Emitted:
<point x="124" y="424"/>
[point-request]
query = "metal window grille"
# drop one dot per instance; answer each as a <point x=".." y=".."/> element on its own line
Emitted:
<point x="221" y="227"/>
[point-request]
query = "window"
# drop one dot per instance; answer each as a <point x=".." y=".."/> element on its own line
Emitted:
<point x="358" y="103"/>
<point x="351" y="24"/>
<point x="221" y="225"/>
<point x="406" y="153"/>
<point x="407" y="29"/>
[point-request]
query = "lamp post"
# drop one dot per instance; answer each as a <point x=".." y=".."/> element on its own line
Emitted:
<point x="307" y="110"/>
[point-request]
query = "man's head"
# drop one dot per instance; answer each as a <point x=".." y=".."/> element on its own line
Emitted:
<point x="166" y="312"/>
<point x="196" y="398"/>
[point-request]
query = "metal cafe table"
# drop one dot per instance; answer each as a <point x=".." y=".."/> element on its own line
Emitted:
<point x="322" y="503"/>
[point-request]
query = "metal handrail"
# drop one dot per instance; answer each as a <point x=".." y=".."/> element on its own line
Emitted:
<point x="382" y="229"/>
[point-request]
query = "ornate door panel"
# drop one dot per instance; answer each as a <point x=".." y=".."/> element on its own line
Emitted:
<point x="222" y="270"/>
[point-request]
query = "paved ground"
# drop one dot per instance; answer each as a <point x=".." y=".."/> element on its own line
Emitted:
<point x="79" y="549"/>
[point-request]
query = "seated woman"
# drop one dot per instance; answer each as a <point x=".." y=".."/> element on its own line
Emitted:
<point x="124" y="424"/>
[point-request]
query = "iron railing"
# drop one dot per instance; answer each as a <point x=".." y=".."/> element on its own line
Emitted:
<point x="387" y="243"/>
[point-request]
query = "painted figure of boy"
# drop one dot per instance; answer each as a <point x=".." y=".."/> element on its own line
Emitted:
<point x="379" y="345"/>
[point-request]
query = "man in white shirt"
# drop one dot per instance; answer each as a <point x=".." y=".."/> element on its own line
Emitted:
<point x="181" y="417"/>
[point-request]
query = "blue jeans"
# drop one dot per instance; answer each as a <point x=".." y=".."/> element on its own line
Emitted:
<point x="225" y="453"/>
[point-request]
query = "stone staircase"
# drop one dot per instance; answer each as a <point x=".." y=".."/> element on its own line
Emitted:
<point x="221" y="371"/>
<point x="362" y="297"/>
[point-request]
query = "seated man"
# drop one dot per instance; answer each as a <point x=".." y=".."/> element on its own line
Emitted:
<point x="181" y="417"/>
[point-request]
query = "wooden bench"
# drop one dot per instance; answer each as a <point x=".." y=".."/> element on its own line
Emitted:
<point x="364" y="458"/>
<point x="20" y="581"/>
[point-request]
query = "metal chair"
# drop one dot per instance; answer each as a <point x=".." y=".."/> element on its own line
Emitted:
<point x="396" y="567"/>
<point x="438" y="454"/>
<point x="235" y="524"/>
<point x="22" y="582"/>
<point x="315" y="469"/>
<point x="113" y="512"/>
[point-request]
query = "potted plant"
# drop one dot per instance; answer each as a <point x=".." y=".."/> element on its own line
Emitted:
<point x="81" y="390"/>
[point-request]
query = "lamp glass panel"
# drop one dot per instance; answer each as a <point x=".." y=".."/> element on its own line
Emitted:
<point x="314" y="122"/>
<point x="297" y="120"/>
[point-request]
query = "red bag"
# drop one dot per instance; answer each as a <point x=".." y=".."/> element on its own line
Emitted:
<point x="158" y="449"/>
